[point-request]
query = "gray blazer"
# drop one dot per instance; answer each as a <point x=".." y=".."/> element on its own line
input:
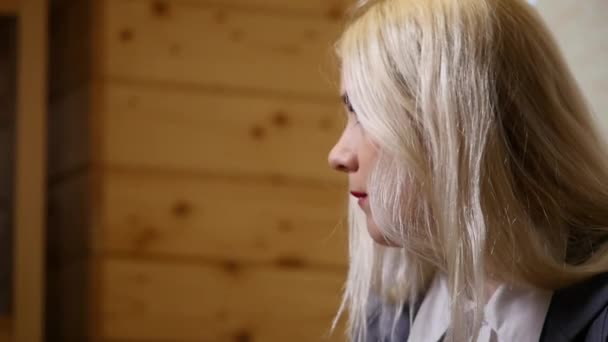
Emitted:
<point x="576" y="314"/>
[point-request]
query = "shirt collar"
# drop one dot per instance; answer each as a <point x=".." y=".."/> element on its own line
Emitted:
<point x="517" y="314"/>
<point x="513" y="314"/>
<point x="433" y="317"/>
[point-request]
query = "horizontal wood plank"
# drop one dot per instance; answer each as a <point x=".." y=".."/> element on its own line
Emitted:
<point x="182" y="42"/>
<point x="205" y="303"/>
<point x="330" y="8"/>
<point x="236" y="221"/>
<point x="219" y="132"/>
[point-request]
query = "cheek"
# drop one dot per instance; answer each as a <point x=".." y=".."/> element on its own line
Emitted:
<point x="368" y="154"/>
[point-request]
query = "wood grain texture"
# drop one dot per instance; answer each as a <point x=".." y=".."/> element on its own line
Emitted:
<point x="330" y="8"/>
<point x="229" y="220"/>
<point x="223" y="133"/>
<point x="165" y="302"/>
<point x="30" y="174"/>
<point x="218" y="215"/>
<point x="184" y="43"/>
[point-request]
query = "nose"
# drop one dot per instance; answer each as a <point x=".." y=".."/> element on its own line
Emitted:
<point x="343" y="158"/>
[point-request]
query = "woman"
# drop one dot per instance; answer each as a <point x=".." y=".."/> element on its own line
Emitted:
<point x="476" y="168"/>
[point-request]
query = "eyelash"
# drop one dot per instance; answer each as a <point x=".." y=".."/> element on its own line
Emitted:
<point x="347" y="103"/>
<point x="349" y="107"/>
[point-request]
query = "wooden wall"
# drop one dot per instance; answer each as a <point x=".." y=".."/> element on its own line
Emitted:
<point x="216" y="217"/>
<point x="189" y="194"/>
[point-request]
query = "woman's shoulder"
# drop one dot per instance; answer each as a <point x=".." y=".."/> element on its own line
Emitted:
<point x="382" y="316"/>
<point x="579" y="312"/>
<point x="598" y="328"/>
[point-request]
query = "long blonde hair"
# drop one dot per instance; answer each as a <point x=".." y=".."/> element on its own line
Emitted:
<point x="490" y="163"/>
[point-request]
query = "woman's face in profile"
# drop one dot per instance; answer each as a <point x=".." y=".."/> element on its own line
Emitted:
<point x="355" y="155"/>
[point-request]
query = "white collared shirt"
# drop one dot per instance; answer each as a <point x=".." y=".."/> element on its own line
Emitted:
<point x="510" y="315"/>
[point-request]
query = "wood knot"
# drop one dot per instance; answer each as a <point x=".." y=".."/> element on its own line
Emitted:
<point x="221" y="17"/>
<point x="221" y="315"/>
<point x="231" y="266"/>
<point x="182" y="209"/>
<point x="243" y="336"/>
<point x="280" y="119"/>
<point x="160" y="8"/>
<point x="335" y="13"/>
<point x="237" y="35"/>
<point x="258" y="132"/>
<point x="175" y="49"/>
<point x="145" y="237"/>
<point x="277" y="179"/>
<point x="290" y="263"/>
<point x="285" y="226"/>
<point x="288" y="49"/>
<point x="126" y="35"/>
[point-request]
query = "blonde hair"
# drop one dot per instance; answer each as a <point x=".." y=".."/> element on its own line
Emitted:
<point x="490" y="164"/>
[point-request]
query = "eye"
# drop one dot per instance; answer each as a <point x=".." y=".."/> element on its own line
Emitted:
<point x="349" y="107"/>
<point x="347" y="103"/>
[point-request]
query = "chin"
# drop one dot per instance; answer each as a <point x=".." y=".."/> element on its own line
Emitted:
<point x="376" y="234"/>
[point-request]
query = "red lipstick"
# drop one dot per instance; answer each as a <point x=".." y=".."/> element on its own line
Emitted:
<point x="362" y="196"/>
<point x="358" y="194"/>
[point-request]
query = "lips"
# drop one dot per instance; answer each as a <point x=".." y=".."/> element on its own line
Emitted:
<point x="362" y="196"/>
<point x="358" y="194"/>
